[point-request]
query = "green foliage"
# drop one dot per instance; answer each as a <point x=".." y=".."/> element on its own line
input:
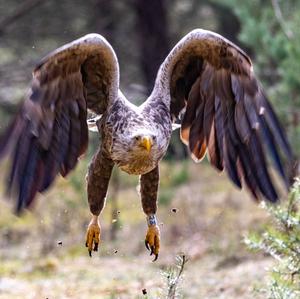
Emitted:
<point x="165" y="196"/>
<point x="181" y="177"/>
<point x="281" y="240"/>
<point x="172" y="176"/>
<point x="173" y="277"/>
<point x="270" y="31"/>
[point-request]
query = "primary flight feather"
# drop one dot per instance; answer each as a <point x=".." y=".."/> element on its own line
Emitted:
<point x="206" y="82"/>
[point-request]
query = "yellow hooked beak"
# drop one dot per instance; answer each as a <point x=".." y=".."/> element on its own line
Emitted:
<point x="146" y="142"/>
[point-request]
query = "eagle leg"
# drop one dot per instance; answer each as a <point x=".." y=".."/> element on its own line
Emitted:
<point x="149" y="186"/>
<point x="97" y="184"/>
<point x="93" y="235"/>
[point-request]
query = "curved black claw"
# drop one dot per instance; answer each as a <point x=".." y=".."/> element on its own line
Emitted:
<point x="147" y="245"/>
<point x="96" y="247"/>
<point x="156" y="257"/>
<point x="90" y="253"/>
<point x="152" y="250"/>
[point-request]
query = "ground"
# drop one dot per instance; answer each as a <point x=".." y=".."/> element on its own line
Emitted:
<point x="121" y="277"/>
<point x="200" y="214"/>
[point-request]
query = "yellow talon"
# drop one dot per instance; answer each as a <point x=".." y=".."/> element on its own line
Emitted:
<point x="152" y="241"/>
<point x="93" y="235"/>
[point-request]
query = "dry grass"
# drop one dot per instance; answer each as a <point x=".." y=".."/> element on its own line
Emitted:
<point x="209" y="223"/>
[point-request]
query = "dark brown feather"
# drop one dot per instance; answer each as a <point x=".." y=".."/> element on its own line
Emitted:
<point x="50" y="131"/>
<point x="84" y="136"/>
<point x="197" y="143"/>
<point x="51" y="156"/>
<point x="207" y="93"/>
<point x="213" y="149"/>
<point x="230" y="116"/>
<point x="75" y="137"/>
<point x="194" y="100"/>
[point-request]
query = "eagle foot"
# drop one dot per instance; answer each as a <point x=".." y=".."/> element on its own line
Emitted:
<point x="93" y="236"/>
<point x="152" y="240"/>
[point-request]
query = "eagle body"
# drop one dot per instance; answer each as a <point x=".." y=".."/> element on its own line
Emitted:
<point x="124" y="121"/>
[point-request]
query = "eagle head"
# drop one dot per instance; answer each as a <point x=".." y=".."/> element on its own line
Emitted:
<point x="138" y="152"/>
<point x="143" y="143"/>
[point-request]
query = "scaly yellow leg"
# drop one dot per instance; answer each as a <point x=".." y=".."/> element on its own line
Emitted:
<point x="93" y="235"/>
<point x="152" y="240"/>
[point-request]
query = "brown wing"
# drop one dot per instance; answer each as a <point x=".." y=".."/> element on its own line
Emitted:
<point x="50" y="133"/>
<point x="224" y="111"/>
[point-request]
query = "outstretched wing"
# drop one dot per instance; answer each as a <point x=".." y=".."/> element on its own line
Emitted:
<point x="209" y="83"/>
<point x="50" y="132"/>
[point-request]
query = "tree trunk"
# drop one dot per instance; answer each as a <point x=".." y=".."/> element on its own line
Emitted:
<point x="153" y="37"/>
<point x="103" y="19"/>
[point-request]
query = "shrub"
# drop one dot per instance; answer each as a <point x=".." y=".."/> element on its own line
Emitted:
<point x="281" y="240"/>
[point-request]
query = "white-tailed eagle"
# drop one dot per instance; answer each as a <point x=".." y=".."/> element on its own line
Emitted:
<point x="206" y="82"/>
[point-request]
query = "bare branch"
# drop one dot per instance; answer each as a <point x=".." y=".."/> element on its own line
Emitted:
<point x="174" y="278"/>
<point x="279" y="16"/>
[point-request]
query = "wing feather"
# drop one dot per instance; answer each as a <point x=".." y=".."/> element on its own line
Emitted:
<point x="225" y="111"/>
<point x="207" y="93"/>
<point x="74" y="144"/>
<point x="214" y="154"/>
<point x="219" y="129"/>
<point x="50" y="132"/>
<point x="197" y="143"/>
<point x="190" y="114"/>
<point x="51" y="160"/>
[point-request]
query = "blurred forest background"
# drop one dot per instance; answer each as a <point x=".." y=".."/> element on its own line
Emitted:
<point x="42" y="254"/>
